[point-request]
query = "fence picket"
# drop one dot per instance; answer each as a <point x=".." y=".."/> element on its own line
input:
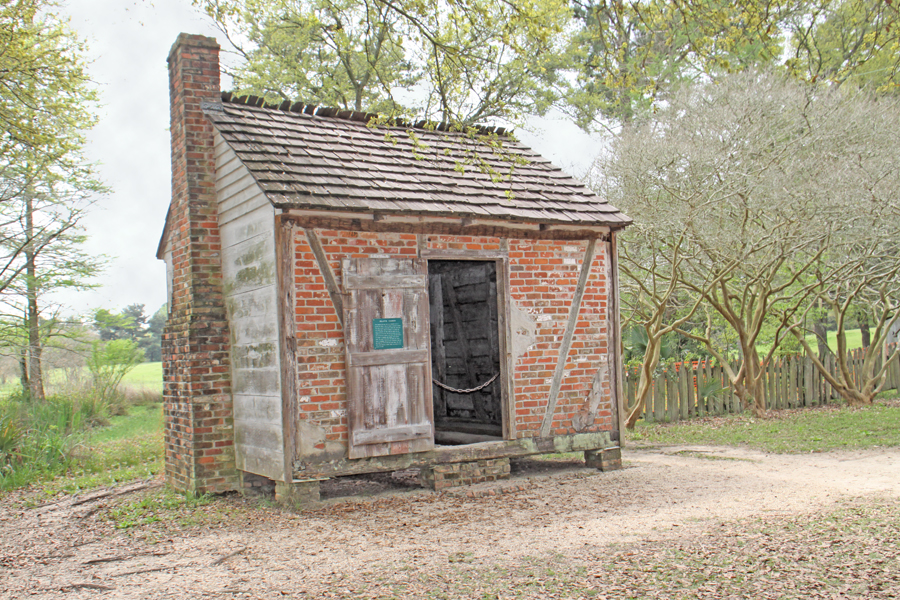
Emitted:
<point x="658" y="400"/>
<point x="787" y="382"/>
<point x="671" y="396"/>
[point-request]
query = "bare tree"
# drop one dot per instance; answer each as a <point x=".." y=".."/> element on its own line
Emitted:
<point x="752" y="171"/>
<point x="872" y="281"/>
<point x="651" y="259"/>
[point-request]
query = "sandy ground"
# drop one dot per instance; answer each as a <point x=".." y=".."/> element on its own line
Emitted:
<point x="548" y="509"/>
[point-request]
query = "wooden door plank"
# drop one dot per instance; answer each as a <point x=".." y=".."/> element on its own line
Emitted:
<point x="420" y="404"/>
<point x="492" y="326"/>
<point x="387" y="391"/>
<point x="388" y="357"/>
<point x="393" y="434"/>
<point x="392" y="281"/>
<point x="461" y="339"/>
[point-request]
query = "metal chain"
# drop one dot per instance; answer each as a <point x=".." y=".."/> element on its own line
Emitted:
<point x="469" y="391"/>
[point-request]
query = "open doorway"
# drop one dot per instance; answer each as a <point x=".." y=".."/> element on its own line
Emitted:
<point x="465" y="351"/>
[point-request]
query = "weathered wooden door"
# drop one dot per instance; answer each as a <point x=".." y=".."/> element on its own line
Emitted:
<point x="389" y="370"/>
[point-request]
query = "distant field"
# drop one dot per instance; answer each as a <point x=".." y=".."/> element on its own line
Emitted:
<point x="146" y="375"/>
<point x="854" y="340"/>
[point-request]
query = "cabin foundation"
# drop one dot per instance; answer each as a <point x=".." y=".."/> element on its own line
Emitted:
<point x="607" y="459"/>
<point x="441" y="477"/>
<point x="256" y="485"/>
<point x="297" y="493"/>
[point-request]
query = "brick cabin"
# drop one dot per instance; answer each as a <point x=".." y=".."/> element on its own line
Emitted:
<point x="324" y="269"/>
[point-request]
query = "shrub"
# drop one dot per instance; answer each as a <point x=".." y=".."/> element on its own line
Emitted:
<point x="11" y="436"/>
<point x="143" y="396"/>
<point x="38" y="438"/>
<point x="108" y="364"/>
<point x="41" y="439"/>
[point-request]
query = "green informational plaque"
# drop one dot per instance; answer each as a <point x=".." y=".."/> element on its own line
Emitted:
<point x="387" y="334"/>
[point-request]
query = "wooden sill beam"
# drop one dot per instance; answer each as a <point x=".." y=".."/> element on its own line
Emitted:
<point x="577" y="442"/>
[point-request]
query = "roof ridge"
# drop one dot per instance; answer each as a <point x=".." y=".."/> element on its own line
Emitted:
<point x="353" y="115"/>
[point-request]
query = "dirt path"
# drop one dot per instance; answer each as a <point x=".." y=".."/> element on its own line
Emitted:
<point x="245" y="550"/>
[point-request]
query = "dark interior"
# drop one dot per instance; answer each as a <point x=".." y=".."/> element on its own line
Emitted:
<point x="465" y="350"/>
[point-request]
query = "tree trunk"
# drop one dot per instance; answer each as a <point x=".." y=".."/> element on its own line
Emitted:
<point x="748" y="385"/>
<point x="35" y="349"/>
<point x="864" y="330"/>
<point x="855" y="397"/>
<point x="821" y="338"/>
<point x="23" y="368"/>
<point x="648" y="366"/>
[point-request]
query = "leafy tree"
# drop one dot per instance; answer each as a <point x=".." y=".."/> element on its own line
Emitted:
<point x="460" y="62"/>
<point x="853" y="41"/>
<point x="627" y="55"/>
<point x="151" y="343"/>
<point x="125" y="325"/>
<point x="135" y="314"/>
<point x="132" y="324"/>
<point x="46" y="105"/>
<point x="339" y="53"/>
<point x="109" y="362"/>
<point x="41" y="72"/>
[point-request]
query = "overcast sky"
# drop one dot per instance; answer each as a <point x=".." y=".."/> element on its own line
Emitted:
<point x="129" y="41"/>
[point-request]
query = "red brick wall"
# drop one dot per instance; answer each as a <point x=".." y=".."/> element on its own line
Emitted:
<point x="196" y="373"/>
<point x="543" y="278"/>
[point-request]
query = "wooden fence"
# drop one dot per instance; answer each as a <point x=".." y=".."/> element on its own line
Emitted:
<point x="696" y="389"/>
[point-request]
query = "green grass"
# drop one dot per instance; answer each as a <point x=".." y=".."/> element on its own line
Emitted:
<point x="854" y="340"/>
<point x="807" y="430"/>
<point x="146" y="375"/>
<point x="142" y="421"/>
<point x="162" y="506"/>
<point x="129" y="448"/>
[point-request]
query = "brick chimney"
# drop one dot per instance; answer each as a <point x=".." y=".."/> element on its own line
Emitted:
<point x="199" y="435"/>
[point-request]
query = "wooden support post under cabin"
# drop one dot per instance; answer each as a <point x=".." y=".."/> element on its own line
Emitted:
<point x="608" y="459"/>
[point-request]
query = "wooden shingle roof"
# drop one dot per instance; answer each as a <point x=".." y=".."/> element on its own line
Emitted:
<point x="306" y="157"/>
